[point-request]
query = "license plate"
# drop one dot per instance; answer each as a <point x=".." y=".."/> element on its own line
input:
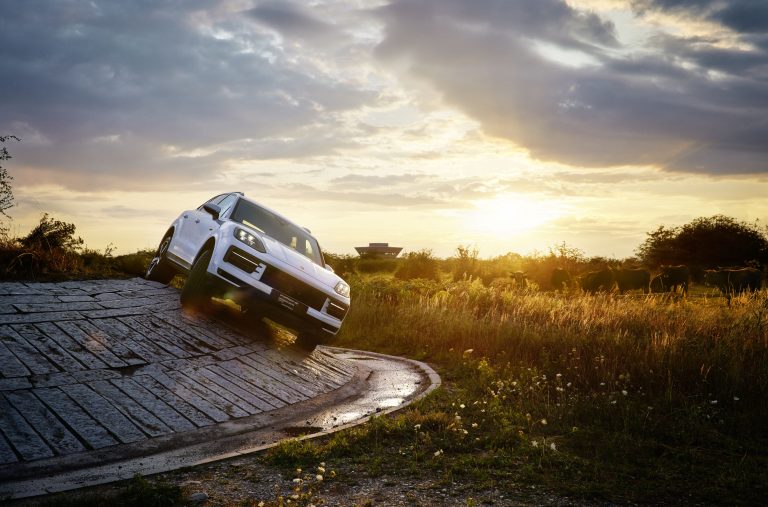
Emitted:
<point x="287" y="302"/>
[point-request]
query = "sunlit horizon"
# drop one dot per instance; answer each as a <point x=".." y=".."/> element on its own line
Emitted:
<point x="427" y="124"/>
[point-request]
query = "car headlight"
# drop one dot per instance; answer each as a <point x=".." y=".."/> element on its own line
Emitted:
<point x="342" y="289"/>
<point x="249" y="239"/>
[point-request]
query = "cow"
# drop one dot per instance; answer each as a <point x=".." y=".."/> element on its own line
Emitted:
<point x="560" y="279"/>
<point x="596" y="281"/>
<point x="657" y="284"/>
<point x="631" y="279"/>
<point x="734" y="281"/>
<point x="676" y="276"/>
<point x="519" y="278"/>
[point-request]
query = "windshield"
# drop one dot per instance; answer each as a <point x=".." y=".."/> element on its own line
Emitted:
<point x="277" y="228"/>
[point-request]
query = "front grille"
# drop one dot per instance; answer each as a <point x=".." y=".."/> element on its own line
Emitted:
<point x="293" y="287"/>
<point x="337" y="309"/>
<point x="241" y="259"/>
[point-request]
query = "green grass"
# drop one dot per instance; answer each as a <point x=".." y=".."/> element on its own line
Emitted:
<point x="640" y="399"/>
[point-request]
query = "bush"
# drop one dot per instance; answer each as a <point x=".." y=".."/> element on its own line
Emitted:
<point x="342" y="264"/>
<point x="421" y="264"/>
<point x="373" y="265"/>
<point x="465" y="264"/>
<point x="52" y="234"/>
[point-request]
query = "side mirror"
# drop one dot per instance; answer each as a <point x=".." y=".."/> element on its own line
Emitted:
<point x="329" y="268"/>
<point x="212" y="209"/>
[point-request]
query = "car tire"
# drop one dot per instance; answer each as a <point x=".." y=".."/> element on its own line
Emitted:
<point x="195" y="293"/>
<point x="160" y="269"/>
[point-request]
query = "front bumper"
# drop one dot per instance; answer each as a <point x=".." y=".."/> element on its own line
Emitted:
<point x="237" y="274"/>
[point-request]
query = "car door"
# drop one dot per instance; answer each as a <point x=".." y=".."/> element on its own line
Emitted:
<point x="186" y="243"/>
<point x="204" y="225"/>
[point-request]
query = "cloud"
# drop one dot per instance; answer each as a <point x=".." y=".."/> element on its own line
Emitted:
<point x="635" y="106"/>
<point x="291" y="20"/>
<point x="743" y="16"/>
<point x="366" y="181"/>
<point x="390" y="200"/>
<point x="109" y="85"/>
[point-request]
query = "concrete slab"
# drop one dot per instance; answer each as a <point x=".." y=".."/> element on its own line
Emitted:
<point x="132" y="384"/>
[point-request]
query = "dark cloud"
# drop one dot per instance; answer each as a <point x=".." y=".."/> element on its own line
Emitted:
<point x="751" y="16"/>
<point x="744" y="16"/>
<point x="151" y="75"/>
<point x="656" y="108"/>
<point x="291" y="20"/>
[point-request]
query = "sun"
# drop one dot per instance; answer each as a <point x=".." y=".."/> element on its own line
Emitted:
<point x="510" y="214"/>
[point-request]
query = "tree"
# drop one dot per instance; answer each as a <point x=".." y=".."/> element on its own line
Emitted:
<point x="6" y="192"/>
<point x="706" y="242"/>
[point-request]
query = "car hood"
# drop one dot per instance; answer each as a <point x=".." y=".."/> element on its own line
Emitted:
<point x="300" y="262"/>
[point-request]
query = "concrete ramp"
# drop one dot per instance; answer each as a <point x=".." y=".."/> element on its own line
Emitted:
<point x="103" y="379"/>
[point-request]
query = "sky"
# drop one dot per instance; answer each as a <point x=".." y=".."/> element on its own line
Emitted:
<point x="506" y="125"/>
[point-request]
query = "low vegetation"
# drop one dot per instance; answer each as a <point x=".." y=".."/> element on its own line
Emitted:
<point x="52" y="252"/>
<point x="639" y="399"/>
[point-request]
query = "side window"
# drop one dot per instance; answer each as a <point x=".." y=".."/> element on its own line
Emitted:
<point x="215" y="200"/>
<point x="227" y="203"/>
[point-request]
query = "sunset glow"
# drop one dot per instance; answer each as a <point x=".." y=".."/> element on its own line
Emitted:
<point x="427" y="123"/>
<point x="507" y="215"/>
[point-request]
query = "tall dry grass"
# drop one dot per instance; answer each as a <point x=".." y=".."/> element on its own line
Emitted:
<point x="626" y="399"/>
<point x="679" y="353"/>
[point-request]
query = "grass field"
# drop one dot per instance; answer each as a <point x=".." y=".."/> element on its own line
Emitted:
<point x="626" y="399"/>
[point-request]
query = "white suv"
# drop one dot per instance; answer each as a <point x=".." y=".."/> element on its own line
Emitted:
<point x="232" y="247"/>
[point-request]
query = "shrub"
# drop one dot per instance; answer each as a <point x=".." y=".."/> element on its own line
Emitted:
<point x="342" y="264"/>
<point x="465" y="264"/>
<point x="421" y="264"/>
<point x="372" y="265"/>
<point x="52" y="234"/>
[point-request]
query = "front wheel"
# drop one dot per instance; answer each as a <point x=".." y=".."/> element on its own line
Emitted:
<point x="159" y="269"/>
<point x="195" y="292"/>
